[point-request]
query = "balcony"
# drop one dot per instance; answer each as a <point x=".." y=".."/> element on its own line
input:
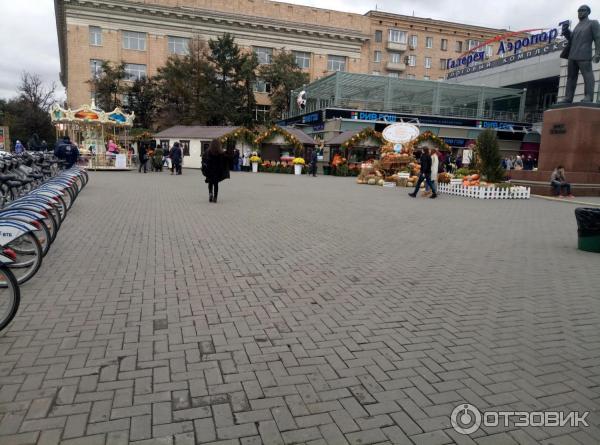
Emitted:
<point x="395" y="46"/>
<point x="391" y="66"/>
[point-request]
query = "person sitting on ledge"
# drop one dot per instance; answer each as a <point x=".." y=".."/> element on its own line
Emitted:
<point x="559" y="183"/>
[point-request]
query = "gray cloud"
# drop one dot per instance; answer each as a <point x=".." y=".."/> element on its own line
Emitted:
<point x="29" y="42"/>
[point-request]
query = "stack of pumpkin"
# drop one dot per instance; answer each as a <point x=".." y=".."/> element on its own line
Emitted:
<point x="471" y="181"/>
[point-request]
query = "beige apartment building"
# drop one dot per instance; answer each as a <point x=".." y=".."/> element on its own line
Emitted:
<point x="144" y="33"/>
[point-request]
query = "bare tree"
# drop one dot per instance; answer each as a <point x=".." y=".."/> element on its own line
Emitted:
<point x="33" y="92"/>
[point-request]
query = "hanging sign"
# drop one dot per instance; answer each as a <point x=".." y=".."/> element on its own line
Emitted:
<point x="400" y="133"/>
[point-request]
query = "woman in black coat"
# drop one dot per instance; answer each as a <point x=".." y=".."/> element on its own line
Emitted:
<point x="215" y="167"/>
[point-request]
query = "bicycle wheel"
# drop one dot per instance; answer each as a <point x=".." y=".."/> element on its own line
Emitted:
<point x="29" y="257"/>
<point x="10" y="296"/>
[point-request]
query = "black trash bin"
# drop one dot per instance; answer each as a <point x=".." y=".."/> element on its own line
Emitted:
<point x="588" y="228"/>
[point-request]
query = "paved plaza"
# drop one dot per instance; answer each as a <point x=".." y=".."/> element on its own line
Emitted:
<point x="300" y="310"/>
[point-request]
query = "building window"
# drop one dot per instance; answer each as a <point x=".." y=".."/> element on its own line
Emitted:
<point x="378" y="36"/>
<point x="459" y="47"/>
<point x="397" y="36"/>
<point x="426" y="78"/>
<point x="134" y="71"/>
<point x="261" y="113"/>
<point x="302" y="59"/>
<point x="377" y="57"/>
<point x="376" y="73"/>
<point x="472" y="44"/>
<point x="164" y="144"/>
<point x="444" y="45"/>
<point x="336" y="63"/>
<point x="412" y="60"/>
<point x="134" y="40"/>
<point x="185" y="147"/>
<point x="260" y="86"/>
<point x="429" y="42"/>
<point x="95" y="68"/>
<point x="178" y="45"/>
<point x="443" y="64"/>
<point x="395" y="58"/>
<point x="410" y="76"/>
<point x="396" y="75"/>
<point x="489" y="51"/>
<point x="427" y="62"/>
<point x="265" y="55"/>
<point x="414" y="40"/>
<point x="95" y="36"/>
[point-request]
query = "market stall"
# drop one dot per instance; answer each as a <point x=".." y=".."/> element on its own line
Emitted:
<point x="355" y="147"/>
<point x="102" y="137"/>
<point x="276" y="143"/>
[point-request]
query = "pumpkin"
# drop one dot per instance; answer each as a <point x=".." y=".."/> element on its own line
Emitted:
<point x="474" y="177"/>
<point x="410" y="184"/>
<point x="380" y="182"/>
<point x="372" y="181"/>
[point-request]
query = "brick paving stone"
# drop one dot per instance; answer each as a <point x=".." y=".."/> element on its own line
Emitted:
<point x="180" y="320"/>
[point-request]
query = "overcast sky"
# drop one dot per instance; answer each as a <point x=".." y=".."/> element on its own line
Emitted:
<point x="29" y="43"/>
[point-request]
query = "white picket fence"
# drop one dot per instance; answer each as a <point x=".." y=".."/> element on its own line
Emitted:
<point x="516" y="192"/>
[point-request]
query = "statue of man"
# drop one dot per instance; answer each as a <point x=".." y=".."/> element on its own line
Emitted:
<point x="580" y="54"/>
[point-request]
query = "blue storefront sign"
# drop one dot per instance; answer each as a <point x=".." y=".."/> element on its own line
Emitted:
<point x="385" y="118"/>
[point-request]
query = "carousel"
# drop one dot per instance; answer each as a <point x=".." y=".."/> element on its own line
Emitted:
<point x="102" y="137"/>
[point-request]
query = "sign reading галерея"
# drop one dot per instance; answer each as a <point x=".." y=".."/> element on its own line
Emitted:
<point x="476" y="54"/>
<point x="556" y="46"/>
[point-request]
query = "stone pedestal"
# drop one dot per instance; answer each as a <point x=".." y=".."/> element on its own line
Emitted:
<point x="571" y="138"/>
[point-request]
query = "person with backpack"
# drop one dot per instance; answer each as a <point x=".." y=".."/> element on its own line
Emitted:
<point x="215" y="167"/>
<point x="176" y="156"/>
<point x="67" y="151"/>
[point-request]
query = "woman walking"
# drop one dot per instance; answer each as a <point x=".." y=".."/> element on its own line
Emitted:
<point x="215" y="166"/>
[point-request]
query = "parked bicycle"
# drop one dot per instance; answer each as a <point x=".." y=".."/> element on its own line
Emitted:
<point x="35" y="198"/>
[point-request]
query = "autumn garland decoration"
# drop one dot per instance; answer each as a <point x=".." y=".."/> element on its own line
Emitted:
<point x="428" y="136"/>
<point x="289" y="138"/>
<point x="362" y="135"/>
<point x="241" y="133"/>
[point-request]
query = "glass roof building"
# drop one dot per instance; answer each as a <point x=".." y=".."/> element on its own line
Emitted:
<point x="415" y="97"/>
<point x="344" y="102"/>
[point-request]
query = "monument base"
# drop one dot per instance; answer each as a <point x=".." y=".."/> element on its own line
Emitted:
<point x="571" y="138"/>
<point x="582" y="184"/>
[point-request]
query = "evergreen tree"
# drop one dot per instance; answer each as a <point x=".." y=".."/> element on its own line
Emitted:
<point x="185" y="88"/>
<point x="488" y="156"/>
<point x="142" y="100"/>
<point x="285" y="76"/>
<point x="247" y="79"/>
<point x="235" y="76"/>
<point x="109" y="86"/>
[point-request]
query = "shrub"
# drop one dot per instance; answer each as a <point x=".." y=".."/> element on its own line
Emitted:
<point x="488" y="153"/>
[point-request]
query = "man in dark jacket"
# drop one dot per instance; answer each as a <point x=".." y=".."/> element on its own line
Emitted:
<point x="176" y="156"/>
<point x="425" y="175"/>
<point x="236" y="160"/>
<point x="143" y="157"/>
<point x="67" y="152"/>
<point x="314" y="157"/>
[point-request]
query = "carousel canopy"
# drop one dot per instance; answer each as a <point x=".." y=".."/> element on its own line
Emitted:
<point x="89" y="114"/>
